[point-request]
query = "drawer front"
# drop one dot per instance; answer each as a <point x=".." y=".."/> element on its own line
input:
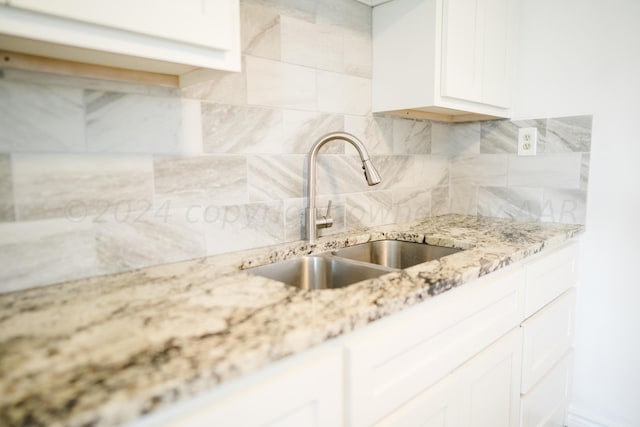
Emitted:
<point x="546" y="404"/>
<point x="549" y="277"/>
<point x="390" y="365"/>
<point x="547" y="336"/>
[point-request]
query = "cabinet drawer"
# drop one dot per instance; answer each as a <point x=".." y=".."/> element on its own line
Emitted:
<point x="546" y="404"/>
<point x="392" y="363"/>
<point x="549" y="277"/>
<point x="547" y="336"/>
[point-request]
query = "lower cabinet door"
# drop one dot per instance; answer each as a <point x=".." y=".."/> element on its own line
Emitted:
<point x="307" y="394"/>
<point x="398" y="359"/>
<point x="490" y="384"/>
<point x="438" y="406"/>
<point x="546" y="404"/>
<point x="547" y="336"/>
<point x="485" y="391"/>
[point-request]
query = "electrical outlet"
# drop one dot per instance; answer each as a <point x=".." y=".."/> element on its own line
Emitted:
<point x="527" y="141"/>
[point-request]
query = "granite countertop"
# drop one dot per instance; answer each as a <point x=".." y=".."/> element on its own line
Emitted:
<point x="104" y="350"/>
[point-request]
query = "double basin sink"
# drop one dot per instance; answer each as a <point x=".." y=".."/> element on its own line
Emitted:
<point x="343" y="267"/>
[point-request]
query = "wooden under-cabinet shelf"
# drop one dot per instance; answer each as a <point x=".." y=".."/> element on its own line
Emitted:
<point x="443" y="115"/>
<point x="20" y="61"/>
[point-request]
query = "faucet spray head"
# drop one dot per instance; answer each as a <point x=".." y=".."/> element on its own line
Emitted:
<point x="370" y="173"/>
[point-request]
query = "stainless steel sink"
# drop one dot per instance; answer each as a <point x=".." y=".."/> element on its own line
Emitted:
<point x="319" y="272"/>
<point x="346" y="266"/>
<point x="394" y="253"/>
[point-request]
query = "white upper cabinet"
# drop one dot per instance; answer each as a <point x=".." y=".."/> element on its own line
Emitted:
<point x="451" y="58"/>
<point x="199" y="22"/>
<point x="162" y="36"/>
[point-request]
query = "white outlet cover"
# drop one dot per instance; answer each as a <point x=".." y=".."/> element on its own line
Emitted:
<point x="527" y="141"/>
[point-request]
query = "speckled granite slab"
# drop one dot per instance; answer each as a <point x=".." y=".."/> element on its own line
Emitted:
<point x="102" y="351"/>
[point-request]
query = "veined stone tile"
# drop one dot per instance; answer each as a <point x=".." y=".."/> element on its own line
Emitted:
<point x="237" y="227"/>
<point x="38" y="253"/>
<point x="241" y="129"/>
<point x="358" y="52"/>
<point x="568" y="134"/>
<point x="276" y="177"/>
<point x="129" y="123"/>
<point x="348" y="14"/>
<point x="396" y="172"/>
<point x="295" y="216"/>
<point x="375" y="132"/>
<point x="464" y="200"/>
<point x="440" y="201"/>
<point x="38" y="118"/>
<point x="431" y="171"/>
<point x="76" y="186"/>
<point x="301" y="9"/>
<point x="457" y="140"/>
<point x="344" y="94"/>
<point x="260" y="30"/>
<point x="200" y="181"/>
<point x="410" y="204"/>
<point x="369" y="209"/>
<point x="584" y="171"/>
<point x="441" y="135"/>
<point x="294" y="219"/>
<point x="278" y="84"/>
<point x="303" y="128"/>
<point x="7" y="210"/>
<point x="314" y="45"/>
<point x="482" y="169"/>
<point x="465" y="139"/>
<point x="557" y="170"/>
<point x="516" y="203"/>
<point x="190" y="138"/>
<point x="564" y="206"/>
<point x="340" y="174"/>
<point x="224" y="87"/>
<point x="501" y="136"/>
<point x="411" y="136"/>
<point x="154" y="236"/>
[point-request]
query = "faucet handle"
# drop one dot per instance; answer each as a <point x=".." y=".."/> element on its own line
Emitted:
<point x="325" y="221"/>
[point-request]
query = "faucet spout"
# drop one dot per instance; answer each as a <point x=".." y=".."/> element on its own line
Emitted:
<point x="313" y="222"/>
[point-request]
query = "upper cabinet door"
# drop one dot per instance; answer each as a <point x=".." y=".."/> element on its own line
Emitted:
<point x="198" y="22"/>
<point x="497" y="38"/>
<point x="462" y="50"/>
<point x="475" y="45"/>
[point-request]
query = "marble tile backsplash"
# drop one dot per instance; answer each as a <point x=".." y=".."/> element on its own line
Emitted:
<point x="99" y="177"/>
<point x="488" y="177"/>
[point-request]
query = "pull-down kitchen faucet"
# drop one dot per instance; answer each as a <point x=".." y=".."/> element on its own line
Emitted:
<point x="313" y="222"/>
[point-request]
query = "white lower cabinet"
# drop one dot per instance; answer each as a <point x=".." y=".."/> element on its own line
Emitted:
<point x="547" y="336"/>
<point x="545" y="405"/>
<point x="547" y="357"/>
<point x="480" y="393"/>
<point x="390" y="363"/>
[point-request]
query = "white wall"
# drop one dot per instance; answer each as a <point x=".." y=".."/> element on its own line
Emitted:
<point x="577" y="57"/>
